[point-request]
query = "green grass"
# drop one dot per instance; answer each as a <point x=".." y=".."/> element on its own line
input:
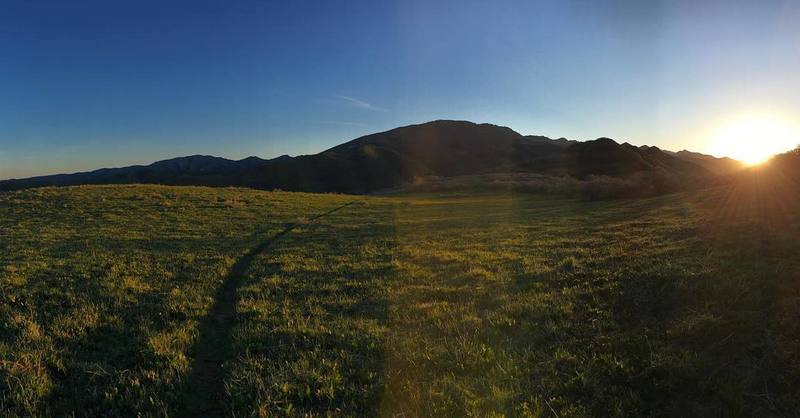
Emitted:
<point x="169" y="301"/>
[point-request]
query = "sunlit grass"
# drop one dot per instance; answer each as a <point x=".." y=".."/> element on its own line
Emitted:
<point x="434" y="305"/>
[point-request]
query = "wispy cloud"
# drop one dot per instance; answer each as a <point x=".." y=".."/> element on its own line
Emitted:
<point x="341" y="123"/>
<point x="352" y="101"/>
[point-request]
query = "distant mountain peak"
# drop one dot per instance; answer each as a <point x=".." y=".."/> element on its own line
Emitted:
<point x="605" y="140"/>
<point x="442" y="148"/>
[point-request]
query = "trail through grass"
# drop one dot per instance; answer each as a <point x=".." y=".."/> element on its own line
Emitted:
<point x="204" y="387"/>
<point x="163" y="301"/>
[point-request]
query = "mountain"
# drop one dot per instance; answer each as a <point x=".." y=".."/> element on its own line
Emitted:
<point x="195" y="169"/>
<point x="389" y="159"/>
<point x="716" y="165"/>
<point x="604" y="156"/>
<point x="561" y="142"/>
<point x="400" y="156"/>
<point x="456" y="148"/>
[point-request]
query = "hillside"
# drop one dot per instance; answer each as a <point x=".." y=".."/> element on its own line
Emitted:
<point x="716" y="165"/>
<point x="192" y="170"/>
<point x="401" y="156"/>
<point x="787" y="165"/>
<point x="194" y="301"/>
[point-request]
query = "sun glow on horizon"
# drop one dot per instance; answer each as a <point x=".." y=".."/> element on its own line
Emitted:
<point x="755" y="139"/>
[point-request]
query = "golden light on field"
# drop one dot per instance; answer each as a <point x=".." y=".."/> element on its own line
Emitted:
<point x="754" y="139"/>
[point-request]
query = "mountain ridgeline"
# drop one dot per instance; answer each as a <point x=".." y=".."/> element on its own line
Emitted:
<point x="410" y="155"/>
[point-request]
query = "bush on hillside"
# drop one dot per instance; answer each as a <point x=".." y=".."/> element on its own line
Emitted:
<point x="596" y="187"/>
<point x="642" y="184"/>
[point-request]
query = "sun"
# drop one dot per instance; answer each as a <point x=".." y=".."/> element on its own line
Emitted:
<point x="754" y="139"/>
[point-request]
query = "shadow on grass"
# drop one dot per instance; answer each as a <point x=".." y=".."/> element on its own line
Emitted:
<point x="93" y="376"/>
<point x="204" y="389"/>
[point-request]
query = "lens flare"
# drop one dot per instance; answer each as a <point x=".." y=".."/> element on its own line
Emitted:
<point x="754" y="139"/>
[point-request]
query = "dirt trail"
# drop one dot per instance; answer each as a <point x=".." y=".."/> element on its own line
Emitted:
<point x="204" y="392"/>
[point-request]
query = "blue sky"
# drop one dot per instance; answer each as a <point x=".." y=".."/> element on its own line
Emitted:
<point x="89" y="84"/>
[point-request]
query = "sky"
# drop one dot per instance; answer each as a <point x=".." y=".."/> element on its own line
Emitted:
<point x="90" y="84"/>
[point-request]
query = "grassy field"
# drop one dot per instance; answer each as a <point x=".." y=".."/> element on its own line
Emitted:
<point x="182" y="301"/>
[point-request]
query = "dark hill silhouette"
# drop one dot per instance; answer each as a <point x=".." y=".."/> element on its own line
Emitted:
<point x="195" y="169"/>
<point x="388" y="159"/>
<point x="604" y="156"/>
<point x="399" y="156"/>
<point x="561" y="142"/>
<point x="716" y="165"/>
<point x="783" y="168"/>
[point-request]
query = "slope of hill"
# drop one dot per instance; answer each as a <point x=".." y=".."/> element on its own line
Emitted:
<point x="561" y="142"/>
<point x="400" y="156"/>
<point x="191" y="301"/>
<point x="716" y="165"/>
<point x="389" y="159"/>
<point x="789" y="162"/>
<point x="191" y="170"/>
<point x="458" y="148"/>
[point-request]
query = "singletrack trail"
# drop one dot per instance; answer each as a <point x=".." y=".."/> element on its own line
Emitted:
<point x="204" y="392"/>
